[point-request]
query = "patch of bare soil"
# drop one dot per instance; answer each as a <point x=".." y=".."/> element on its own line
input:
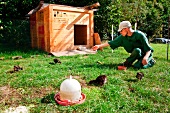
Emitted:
<point x="13" y="97"/>
<point x="9" y="96"/>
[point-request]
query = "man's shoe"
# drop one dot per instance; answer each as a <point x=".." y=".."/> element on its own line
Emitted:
<point x="152" y="61"/>
<point x="126" y="64"/>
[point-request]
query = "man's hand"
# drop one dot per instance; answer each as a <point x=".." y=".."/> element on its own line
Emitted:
<point x="145" y="61"/>
<point x="96" y="47"/>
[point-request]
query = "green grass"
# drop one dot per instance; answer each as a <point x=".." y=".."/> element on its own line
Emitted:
<point x="39" y="80"/>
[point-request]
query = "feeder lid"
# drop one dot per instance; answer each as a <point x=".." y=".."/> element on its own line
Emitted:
<point x="70" y="85"/>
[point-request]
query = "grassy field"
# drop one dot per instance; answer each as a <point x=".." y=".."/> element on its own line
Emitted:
<point x="38" y="81"/>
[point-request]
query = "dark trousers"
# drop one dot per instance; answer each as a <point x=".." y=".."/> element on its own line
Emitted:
<point x="138" y="55"/>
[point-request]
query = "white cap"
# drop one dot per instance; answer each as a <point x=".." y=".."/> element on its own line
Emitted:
<point x="124" y="24"/>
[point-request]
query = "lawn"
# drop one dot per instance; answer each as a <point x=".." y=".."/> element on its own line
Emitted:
<point x="36" y="83"/>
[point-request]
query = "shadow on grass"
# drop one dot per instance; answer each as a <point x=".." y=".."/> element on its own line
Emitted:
<point x="111" y="66"/>
<point x="7" y="48"/>
<point x="48" y="99"/>
<point x="131" y="80"/>
<point x="162" y="59"/>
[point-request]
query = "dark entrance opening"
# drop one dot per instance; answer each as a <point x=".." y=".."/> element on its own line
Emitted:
<point x="80" y="34"/>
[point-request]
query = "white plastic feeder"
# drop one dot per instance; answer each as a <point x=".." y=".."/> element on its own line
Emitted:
<point x="70" y="89"/>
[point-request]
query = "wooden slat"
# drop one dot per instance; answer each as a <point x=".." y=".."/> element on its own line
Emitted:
<point x="97" y="40"/>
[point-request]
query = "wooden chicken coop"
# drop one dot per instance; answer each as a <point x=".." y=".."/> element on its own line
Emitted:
<point x="57" y="28"/>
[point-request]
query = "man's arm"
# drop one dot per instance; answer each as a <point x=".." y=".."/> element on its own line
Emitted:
<point x="145" y="58"/>
<point x="96" y="47"/>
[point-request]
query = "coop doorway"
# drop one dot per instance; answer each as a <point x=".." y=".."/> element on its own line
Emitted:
<point x="80" y="34"/>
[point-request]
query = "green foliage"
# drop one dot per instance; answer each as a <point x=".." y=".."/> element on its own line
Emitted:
<point x="14" y="25"/>
<point x="16" y="32"/>
<point x="149" y="16"/>
<point x="153" y="22"/>
<point x="108" y="14"/>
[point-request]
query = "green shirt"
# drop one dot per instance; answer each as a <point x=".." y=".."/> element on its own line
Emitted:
<point x="137" y="40"/>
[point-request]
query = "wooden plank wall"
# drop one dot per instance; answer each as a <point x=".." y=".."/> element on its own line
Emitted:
<point x="52" y="28"/>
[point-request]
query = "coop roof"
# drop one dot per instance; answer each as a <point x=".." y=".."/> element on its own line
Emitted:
<point x="42" y="5"/>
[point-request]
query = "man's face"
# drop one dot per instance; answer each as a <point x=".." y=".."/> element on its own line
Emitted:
<point x="123" y="32"/>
